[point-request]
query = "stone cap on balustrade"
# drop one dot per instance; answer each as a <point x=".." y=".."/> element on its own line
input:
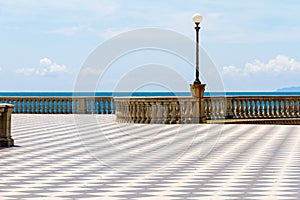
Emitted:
<point x="5" y="105"/>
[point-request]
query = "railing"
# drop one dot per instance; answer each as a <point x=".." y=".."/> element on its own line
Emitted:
<point x="61" y="105"/>
<point x="163" y="109"/>
<point x="252" y="107"/>
<point x="171" y="110"/>
<point x="157" y="110"/>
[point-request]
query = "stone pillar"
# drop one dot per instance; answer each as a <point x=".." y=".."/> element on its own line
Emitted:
<point x="197" y="92"/>
<point x="5" y="125"/>
<point x="82" y="109"/>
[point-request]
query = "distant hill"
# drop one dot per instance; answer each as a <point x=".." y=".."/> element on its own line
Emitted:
<point x="289" y="89"/>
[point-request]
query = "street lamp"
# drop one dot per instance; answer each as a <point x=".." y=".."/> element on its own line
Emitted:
<point x="197" y="18"/>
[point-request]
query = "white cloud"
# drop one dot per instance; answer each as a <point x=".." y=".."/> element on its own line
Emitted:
<point x="111" y="32"/>
<point x="26" y="71"/>
<point x="231" y="69"/>
<point x="46" y="68"/>
<point x="29" y="6"/>
<point x="73" y="30"/>
<point x="45" y="61"/>
<point x="277" y="65"/>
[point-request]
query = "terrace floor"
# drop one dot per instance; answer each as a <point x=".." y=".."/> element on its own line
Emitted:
<point x="92" y="157"/>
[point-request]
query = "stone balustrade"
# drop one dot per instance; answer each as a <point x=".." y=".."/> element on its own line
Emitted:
<point x="157" y="110"/>
<point x="5" y="125"/>
<point x="163" y="109"/>
<point x="172" y="110"/>
<point x="61" y="105"/>
<point x="264" y="107"/>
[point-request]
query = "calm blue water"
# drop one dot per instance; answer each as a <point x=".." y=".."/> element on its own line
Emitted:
<point x="148" y="94"/>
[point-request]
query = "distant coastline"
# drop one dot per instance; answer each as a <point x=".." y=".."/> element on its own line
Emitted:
<point x="289" y="89"/>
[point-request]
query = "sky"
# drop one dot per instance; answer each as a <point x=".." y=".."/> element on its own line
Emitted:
<point x="254" y="45"/>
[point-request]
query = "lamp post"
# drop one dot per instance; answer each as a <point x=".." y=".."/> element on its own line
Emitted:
<point x="197" y="88"/>
<point x="197" y="18"/>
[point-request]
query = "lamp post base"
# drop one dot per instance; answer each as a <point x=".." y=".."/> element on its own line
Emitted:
<point x="197" y="91"/>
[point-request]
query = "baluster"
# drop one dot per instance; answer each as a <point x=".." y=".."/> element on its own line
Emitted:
<point x="109" y="106"/>
<point x="133" y="111"/>
<point x="297" y="107"/>
<point x="246" y="109"/>
<point x="277" y="107"/>
<point x="126" y="112"/>
<point x="17" y="106"/>
<point x="137" y="112"/>
<point x="172" y="112"/>
<point x="46" y="105"/>
<point x="186" y="112"/>
<point x="213" y="109"/>
<point x="238" y="108"/>
<point x="291" y="108"/>
<point x="280" y="104"/>
<point x="256" y="108"/>
<point x="94" y="106"/>
<point x="166" y="112"/>
<point x="56" y="105"/>
<point x="70" y="106"/>
<point x="65" y="106"/>
<point x="98" y="106"/>
<point x="53" y="105"/>
<point x="178" y="112"/>
<point x="105" y="106"/>
<point x="43" y="106"/>
<point x="205" y="107"/>
<point x="251" y="108"/>
<point x="229" y="108"/>
<point x="218" y="108"/>
<point x="208" y="108"/>
<point x="25" y="106"/>
<point x="235" y="108"/>
<point x="125" y="116"/>
<point x="153" y="113"/>
<point x="101" y="106"/>
<point x="147" y="113"/>
<point x="270" y="108"/>
<point x="261" y="108"/>
<point x="142" y="112"/>
<point x="266" y="108"/>
<point x="32" y="106"/>
<point x="60" y="106"/>
<point x="223" y="108"/>
<point x="160" y="112"/>
<point x="120" y="113"/>
<point x="127" y="105"/>
<point x="286" y="107"/>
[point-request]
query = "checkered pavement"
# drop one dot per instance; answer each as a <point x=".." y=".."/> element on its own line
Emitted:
<point x="92" y="157"/>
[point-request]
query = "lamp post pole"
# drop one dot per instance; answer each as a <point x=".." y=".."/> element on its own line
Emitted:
<point x="197" y="80"/>
<point x="197" y="18"/>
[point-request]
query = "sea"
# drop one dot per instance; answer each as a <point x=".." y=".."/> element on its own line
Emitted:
<point x="123" y="94"/>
